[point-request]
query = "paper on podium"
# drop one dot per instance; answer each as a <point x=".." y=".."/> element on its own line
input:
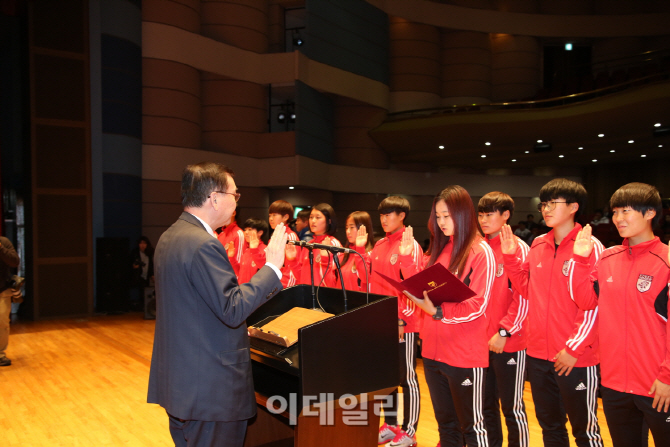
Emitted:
<point x="442" y="285"/>
<point x="283" y="330"/>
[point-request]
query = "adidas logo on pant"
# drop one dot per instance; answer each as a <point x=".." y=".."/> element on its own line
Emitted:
<point x="668" y="419"/>
<point x="580" y="387"/>
<point x="466" y="382"/>
<point x="511" y="361"/>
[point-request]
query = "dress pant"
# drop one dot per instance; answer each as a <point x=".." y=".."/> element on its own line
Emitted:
<point x="189" y="433"/>
<point x="556" y="396"/>
<point x="410" y="387"/>
<point x="505" y="384"/>
<point x="458" y="399"/>
<point x="628" y="415"/>
<point x="5" y="312"/>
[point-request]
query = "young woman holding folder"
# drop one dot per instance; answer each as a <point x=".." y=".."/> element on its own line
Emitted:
<point x="454" y="338"/>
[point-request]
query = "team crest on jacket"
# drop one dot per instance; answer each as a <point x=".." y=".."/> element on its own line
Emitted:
<point x="394" y="258"/>
<point x="566" y="268"/>
<point x="500" y="270"/>
<point x="644" y="282"/>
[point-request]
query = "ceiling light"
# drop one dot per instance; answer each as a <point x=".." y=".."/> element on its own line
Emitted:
<point x="539" y="141"/>
<point x="514" y="159"/>
<point x="601" y="135"/>
<point x="440" y="147"/>
<point x="483" y="156"/>
<point x="291" y="187"/>
<point x="643" y="156"/>
<point x="660" y="145"/>
<point x="568" y="47"/>
<point x="527" y="152"/>
<point x="487" y="143"/>
<point x="612" y="150"/>
<point x="560" y="156"/>
<point x="657" y="125"/>
<point x="594" y="160"/>
<point x="580" y="148"/>
<point x="631" y="141"/>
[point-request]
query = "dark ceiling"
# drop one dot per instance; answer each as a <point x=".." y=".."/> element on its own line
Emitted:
<point x="621" y="116"/>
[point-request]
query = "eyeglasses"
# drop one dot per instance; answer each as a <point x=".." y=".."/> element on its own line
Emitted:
<point x="237" y="195"/>
<point x="548" y="205"/>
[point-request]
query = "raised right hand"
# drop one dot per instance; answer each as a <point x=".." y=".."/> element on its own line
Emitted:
<point x="508" y="242"/>
<point x="407" y="243"/>
<point x="361" y="236"/>
<point x="583" y="245"/>
<point x="276" y="249"/>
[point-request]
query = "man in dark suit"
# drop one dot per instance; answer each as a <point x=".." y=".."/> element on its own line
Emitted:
<point x="201" y="368"/>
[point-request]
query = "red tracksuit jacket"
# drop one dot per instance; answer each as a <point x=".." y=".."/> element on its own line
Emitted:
<point x="291" y="269"/>
<point x="252" y="261"/>
<point x="386" y="259"/>
<point x="630" y="287"/>
<point x="460" y="337"/>
<point x="554" y="320"/>
<point x="353" y="271"/>
<point x="320" y="264"/>
<point x="233" y="236"/>
<point x="507" y="308"/>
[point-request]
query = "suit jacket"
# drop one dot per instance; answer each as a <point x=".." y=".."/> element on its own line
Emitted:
<point x="201" y="368"/>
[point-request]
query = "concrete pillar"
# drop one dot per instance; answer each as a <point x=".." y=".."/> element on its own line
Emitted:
<point x="351" y="126"/>
<point x="516" y="73"/>
<point x="466" y="67"/>
<point x="414" y="64"/>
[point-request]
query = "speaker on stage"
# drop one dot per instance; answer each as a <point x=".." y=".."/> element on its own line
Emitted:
<point x="112" y="274"/>
<point x="149" y="303"/>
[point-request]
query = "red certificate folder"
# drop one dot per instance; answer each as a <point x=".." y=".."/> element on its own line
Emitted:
<point x="442" y="285"/>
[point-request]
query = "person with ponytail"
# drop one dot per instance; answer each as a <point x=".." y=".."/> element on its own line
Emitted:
<point x="454" y="335"/>
<point x="359" y="234"/>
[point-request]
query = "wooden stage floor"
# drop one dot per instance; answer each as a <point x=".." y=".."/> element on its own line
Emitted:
<point x="83" y="382"/>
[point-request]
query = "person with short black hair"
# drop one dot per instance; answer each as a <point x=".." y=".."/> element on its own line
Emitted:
<point x="302" y="225"/>
<point x="398" y="255"/>
<point x="629" y="286"/>
<point x="507" y="332"/>
<point x="200" y="365"/>
<point x="253" y="258"/>
<point x="563" y="344"/>
<point x="281" y="211"/>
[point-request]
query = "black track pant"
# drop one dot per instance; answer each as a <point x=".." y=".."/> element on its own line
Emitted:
<point x="411" y="396"/>
<point x="505" y="382"/>
<point x="555" y="396"/>
<point x="626" y="415"/>
<point x="458" y="399"/>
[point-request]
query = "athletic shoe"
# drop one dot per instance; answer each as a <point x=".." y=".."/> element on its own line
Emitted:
<point x="402" y="439"/>
<point x="5" y="361"/>
<point x="387" y="433"/>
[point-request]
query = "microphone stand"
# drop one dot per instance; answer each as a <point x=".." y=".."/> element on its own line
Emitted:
<point x="311" y="271"/>
<point x="336" y="258"/>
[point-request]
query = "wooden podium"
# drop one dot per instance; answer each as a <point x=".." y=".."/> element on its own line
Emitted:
<point x="326" y="389"/>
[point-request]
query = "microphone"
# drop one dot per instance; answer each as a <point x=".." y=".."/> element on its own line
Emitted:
<point x="330" y="248"/>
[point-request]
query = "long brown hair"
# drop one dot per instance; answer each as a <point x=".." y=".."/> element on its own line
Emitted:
<point x="462" y="212"/>
<point x="361" y="218"/>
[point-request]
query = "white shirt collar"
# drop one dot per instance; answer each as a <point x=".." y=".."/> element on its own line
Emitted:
<point x="207" y="227"/>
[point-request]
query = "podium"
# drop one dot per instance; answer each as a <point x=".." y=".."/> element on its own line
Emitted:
<point x="326" y="389"/>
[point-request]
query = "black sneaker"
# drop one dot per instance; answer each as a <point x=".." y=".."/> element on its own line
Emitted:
<point x="5" y="361"/>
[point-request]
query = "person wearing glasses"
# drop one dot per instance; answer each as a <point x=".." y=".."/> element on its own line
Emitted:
<point x="200" y="367"/>
<point x="563" y="353"/>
